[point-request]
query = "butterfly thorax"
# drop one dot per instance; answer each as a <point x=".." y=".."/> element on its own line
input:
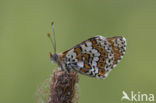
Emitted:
<point x="57" y="59"/>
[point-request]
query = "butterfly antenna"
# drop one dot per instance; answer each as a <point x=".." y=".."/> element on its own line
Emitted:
<point x="49" y="35"/>
<point x="52" y="24"/>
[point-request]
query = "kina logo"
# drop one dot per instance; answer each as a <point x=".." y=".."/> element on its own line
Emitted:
<point x="138" y="96"/>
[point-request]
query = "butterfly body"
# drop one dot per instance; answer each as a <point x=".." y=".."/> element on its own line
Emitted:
<point x="94" y="57"/>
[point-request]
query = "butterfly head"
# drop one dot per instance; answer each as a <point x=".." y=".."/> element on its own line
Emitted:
<point x="54" y="57"/>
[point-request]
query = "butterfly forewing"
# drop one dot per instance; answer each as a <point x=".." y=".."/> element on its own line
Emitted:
<point x="118" y="44"/>
<point x="94" y="57"/>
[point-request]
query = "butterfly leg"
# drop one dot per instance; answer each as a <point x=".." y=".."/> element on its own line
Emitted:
<point x="62" y="68"/>
<point x="68" y="70"/>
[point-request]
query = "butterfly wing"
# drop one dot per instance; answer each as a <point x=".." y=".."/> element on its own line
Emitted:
<point x="93" y="57"/>
<point x="118" y="44"/>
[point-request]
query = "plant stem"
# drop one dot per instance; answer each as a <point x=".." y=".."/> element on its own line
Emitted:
<point x="63" y="88"/>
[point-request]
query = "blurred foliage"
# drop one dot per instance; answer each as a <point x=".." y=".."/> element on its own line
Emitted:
<point x="24" y="46"/>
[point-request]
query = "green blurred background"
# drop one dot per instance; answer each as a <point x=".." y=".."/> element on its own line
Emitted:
<point x="24" y="46"/>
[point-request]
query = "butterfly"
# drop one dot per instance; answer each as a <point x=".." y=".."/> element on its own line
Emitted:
<point x="94" y="57"/>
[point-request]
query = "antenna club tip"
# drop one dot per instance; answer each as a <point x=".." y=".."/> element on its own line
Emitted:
<point x="52" y="23"/>
<point x="51" y="55"/>
<point x="48" y="34"/>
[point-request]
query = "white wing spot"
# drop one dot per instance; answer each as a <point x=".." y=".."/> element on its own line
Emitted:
<point x="89" y="44"/>
<point x="80" y="64"/>
<point x="95" y="59"/>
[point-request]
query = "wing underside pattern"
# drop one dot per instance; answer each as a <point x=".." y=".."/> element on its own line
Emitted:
<point x="94" y="57"/>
